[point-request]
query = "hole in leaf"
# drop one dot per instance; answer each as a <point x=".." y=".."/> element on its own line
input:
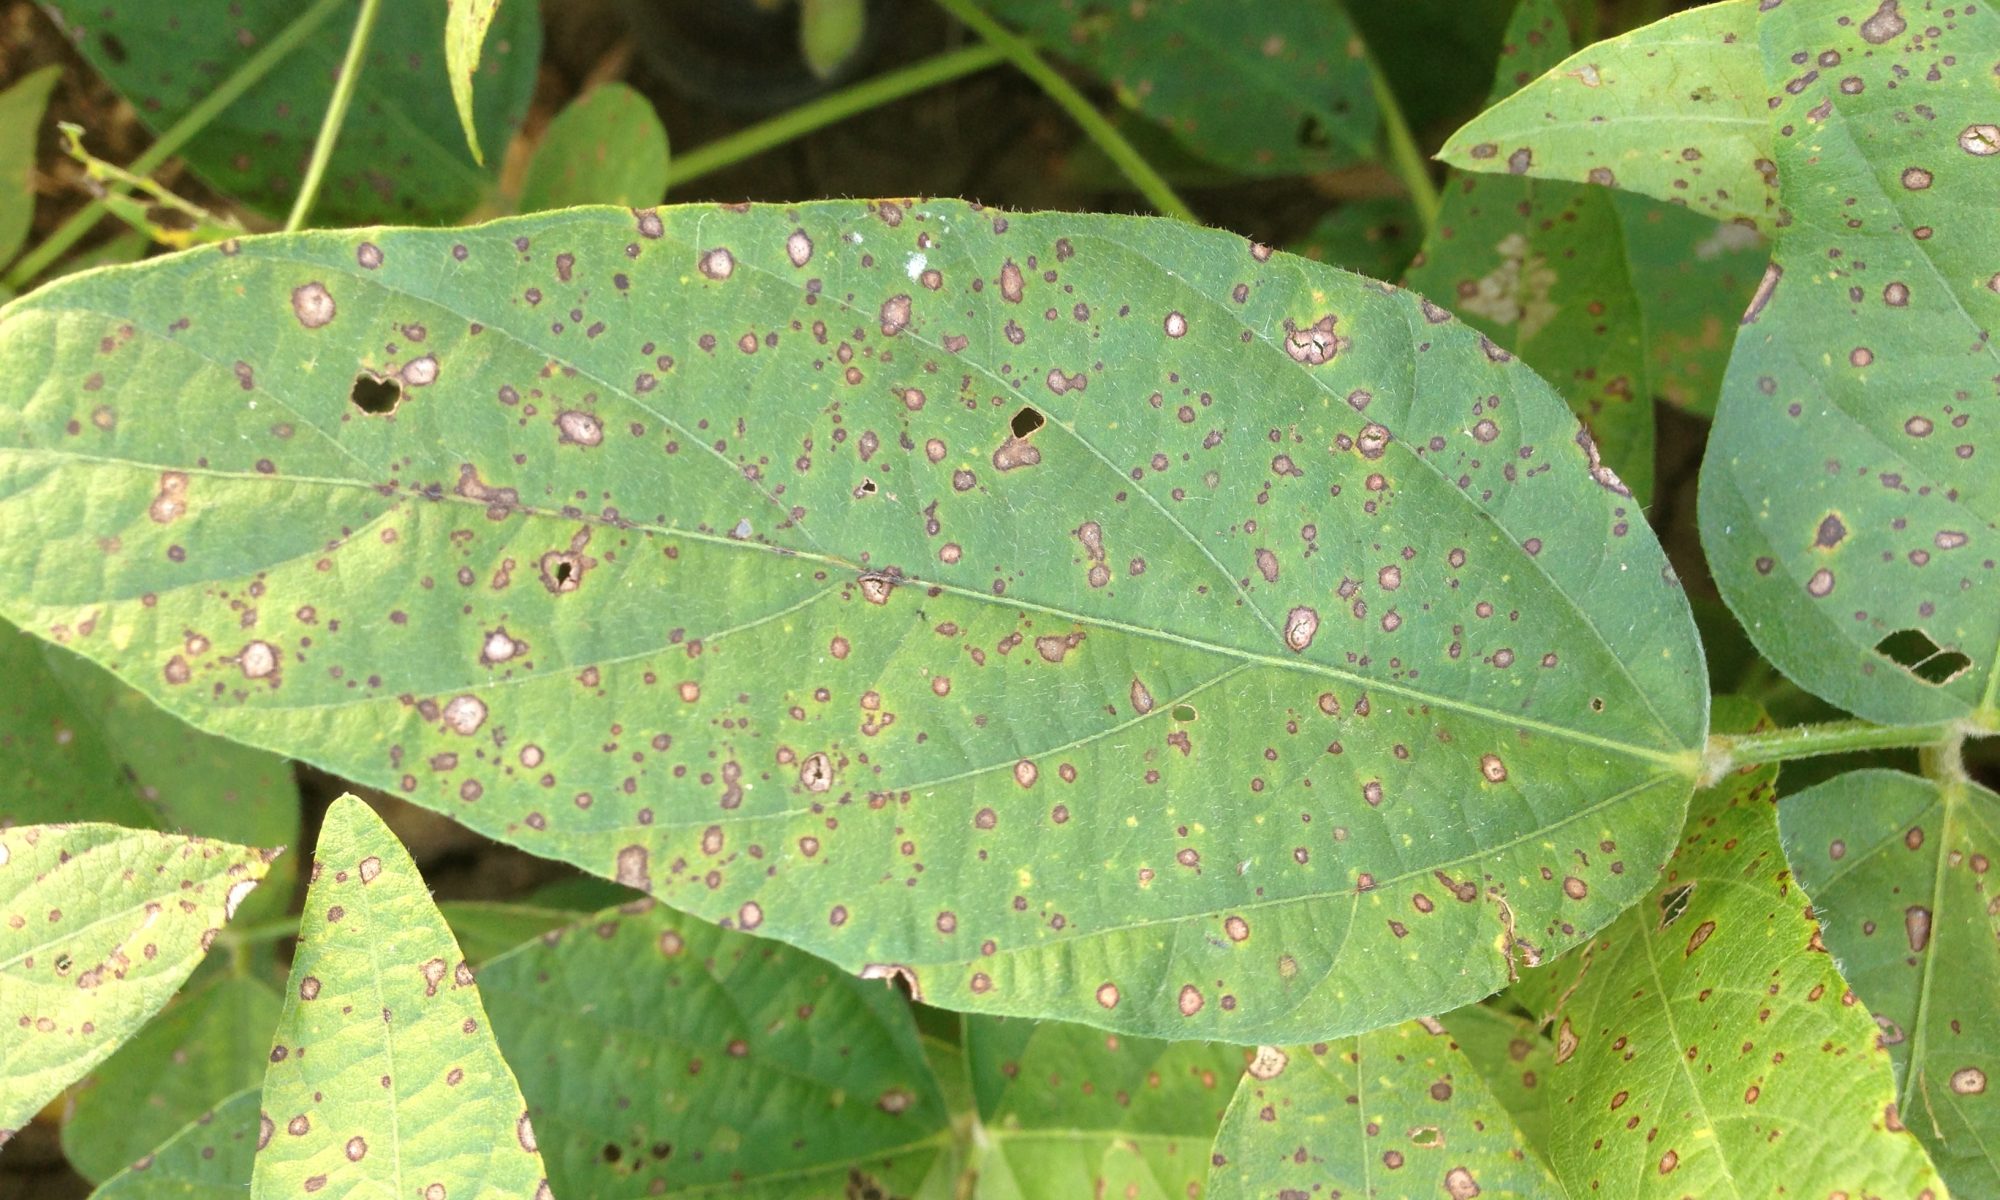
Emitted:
<point x="1184" y="712"/>
<point x="375" y="395"/>
<point x="1312" y="134"/>
<point x="1674" y="904"/>
<point x="562" y="573"/>
<point x="1426" y="1136"/>
<point x="1915" y="652"/>
<point x="867" y="487"/>
<point x="1027" y="421"/>
<point x="113" y="48"/>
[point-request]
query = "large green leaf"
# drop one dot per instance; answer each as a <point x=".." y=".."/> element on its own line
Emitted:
<point x="401" y="155"/>
<point x="659" y="1052"/>
<point x="21" y="107"/>
<point x="1064" y="1110"/>
<point x="1897" y="869"/>
<point x="98" y="926"/>
<point x="1849" y="498"/>
<point x="606" y="147"/>
<point x="702" y="552"/>
<point x="211" y="1043"/>
<point x="384" y="1078"/>
<point x="1707" y="1045"/>
<point x="1675" y="110"/>
<point x="1263" y="89"/>
<point x="1391" y="1114"/>
<point x="76" y="744"/>
<point x="211" y="1156"/>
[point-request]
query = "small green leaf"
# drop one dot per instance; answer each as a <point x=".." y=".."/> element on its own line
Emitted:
<point x="465" y="26"/>
<point x="1398" y="1113"/>
<point x="384" y="1078"/>
<point x="78" y="745"/>
<point x="606" y="147"/>
<point x="1708" y="1046"/>
<point x="829" y="33"/>
<point x="21" y="107"/>
<point x="1675" y="110"/>
<point x="1261" y="88"/>
<point x="658" y="1052"/>
<point x="1897" y="868"/>
<point x="402" y="153"/>
<point x="1068" y="1111"/>
<point x="98" y="927"/>
<point x="209" y="1044"/>
<point x="1170" y="622"/>
<point x="210" y="1156"/>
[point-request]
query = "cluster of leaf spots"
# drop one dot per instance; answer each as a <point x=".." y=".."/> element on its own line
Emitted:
<point x="1260" y="89"/>
<point x="401" y="154"/>
<point x="1612" y="298"/>
<point x="1301" y="670"/>
<point x="1400" y="1112"/>
<point x="98" y="927"/>
<point x="1706" y="1045"/>
<point x="75" y="743"/>
<point x="1899" y="871"/>
<point x="384" y="1076"/>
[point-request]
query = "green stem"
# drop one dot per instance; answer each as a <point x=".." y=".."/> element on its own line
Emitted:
<point x="1122" y="153"/>
<point x="1409" y="162"/>
<point x="830" y="108"/>
<point x="247" y="76"/>
<point x="1726" y="751"/>
<point x="336" y="114"/>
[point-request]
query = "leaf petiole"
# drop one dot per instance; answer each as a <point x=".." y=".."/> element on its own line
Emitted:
<point x="336" y="114"/>
<point x="1727" y="752"/>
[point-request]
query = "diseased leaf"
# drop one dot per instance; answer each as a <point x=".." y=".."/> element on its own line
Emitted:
<point x="1693" y="277"/>
<point x="606" y="147"/>
<point x="78" y="745"/>
<point x="1516" y="1059"/>
<point x="465" y="26"/>
<point x="1675" y="110"/>
<point x="211" y="1043"/>
<point x="1262" y="89"/>
<point x="21" y="107"/>
<point x="1850" y="506"/>
<point x="1067" y="1111"/>
<point x="210" y="1156"/>
<point x="98" y="927"/>
<point x="1897" y="869"/>
<point x="384" y="1078"/>
<point x="401" y="154"/>
<point x="661" y="1055"/>
<point x="1391" y="1114"/>
<point x="1708" y="1047"/>
<point x="1070" y="615"/>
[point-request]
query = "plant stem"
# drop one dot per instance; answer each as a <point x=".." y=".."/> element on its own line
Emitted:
<point x="1408" y="161"/>
<point x="336" y="114"/>
<point x="1122" y="153"/>
<point x="828" y="109"/>
<point x="1727" y="751"/>
<point x="169" y="143"/>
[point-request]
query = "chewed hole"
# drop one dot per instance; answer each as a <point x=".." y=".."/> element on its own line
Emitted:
<point x="1312" y="134"/>
<point x="1915" y="652"/>
<point x="1674" y="904"/>
<point x="375" y="395"/>
<point x="113" y="48"/>
<point x="1027" y="421"/>
<point x="1427" y="1136"/>
<point x="1184" y="712"/>
<point x="562" y="573"/>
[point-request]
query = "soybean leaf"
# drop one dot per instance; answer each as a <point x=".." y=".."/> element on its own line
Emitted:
<point x="1515" y="1058"/>
<point x="98" y="926"/>
<point x="606" y="147"/>
<point x="465" y="26"/>
<point x="1375" y="237"/>
<point x="486" y="929"/>
<point x="1675" y="110"/>
<point x="1708" y="1046"/>
<point x="1071" y="615"/>
<point x="1897" y="869"/>
<point x="21" y="107"/>
<point x="1262" y="89"/>
<point x="401" y="154"/>
<point x="1693" y="277"/>
<point x="405" y="1088"/>
<point x="830" y="31"/>
<point x="1064" y="1110"/>
<point x="660" y="1055"/>
<point x="76" y="744"/>
<point x="208" y="1045"/>
<point x="1395" y="1113"/>
<point x="1846" y="510"/>
<point x="210" y="1156"/>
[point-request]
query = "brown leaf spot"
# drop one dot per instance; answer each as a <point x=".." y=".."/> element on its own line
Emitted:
<point x="313" y="305"/>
